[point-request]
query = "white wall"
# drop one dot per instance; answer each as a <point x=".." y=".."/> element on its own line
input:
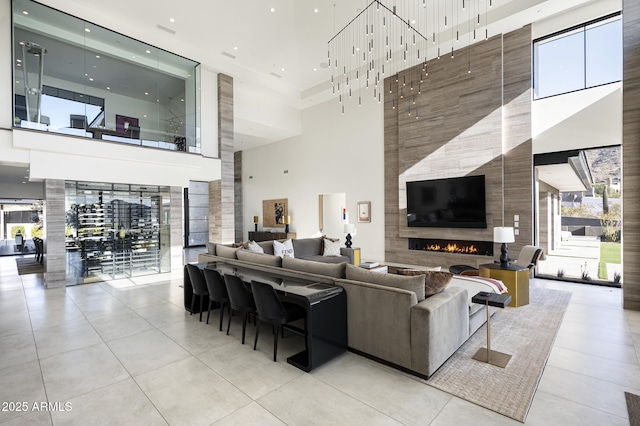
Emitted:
<point x="335" y="153"/>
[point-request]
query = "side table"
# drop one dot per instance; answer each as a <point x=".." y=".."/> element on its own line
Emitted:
<point x="496" y="358"/>
<point x="515" y="277"/>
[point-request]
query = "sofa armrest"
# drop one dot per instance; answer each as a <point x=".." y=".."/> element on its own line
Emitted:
<point x="439" y="326"/>
<point x="378" y="319"/>
<point x="350" y="253"/>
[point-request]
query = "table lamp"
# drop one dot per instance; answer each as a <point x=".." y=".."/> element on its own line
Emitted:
<point x="504" y="235"/>
<point x="255" y="222"/>
<point x="349" y="228"/>
<point x="287" y="222"/>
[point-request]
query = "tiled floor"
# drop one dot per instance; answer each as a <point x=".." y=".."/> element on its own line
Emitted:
<point x="124" y="354"/>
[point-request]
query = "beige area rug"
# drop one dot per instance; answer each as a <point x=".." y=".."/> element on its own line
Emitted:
<point x="527" y="333"/>
<point x="28" y="265"/>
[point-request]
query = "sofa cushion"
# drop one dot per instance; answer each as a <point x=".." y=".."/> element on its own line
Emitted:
<point x="226" y="251"/>
<point x="254" y="247"/>
<point x="330" y="247"/>
<point x="319" y="268"/>
<point x="328" y="259"/>
<point x="304" y="247"/>
<point x="434" y="281"/>
<point x="283" y="249"/>
<point x="267" y="246"/>
<point x="211" y="248"/>
<point x="259" y="258"/>
<point x="413" y="283"/>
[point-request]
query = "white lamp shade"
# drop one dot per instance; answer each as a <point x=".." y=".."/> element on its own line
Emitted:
<point x="349" y="228"/>
<point x="503" y="234"/>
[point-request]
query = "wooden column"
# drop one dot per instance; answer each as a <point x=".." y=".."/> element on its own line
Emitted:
<point x="55" y="260"/>
<point x="631" y="155"/>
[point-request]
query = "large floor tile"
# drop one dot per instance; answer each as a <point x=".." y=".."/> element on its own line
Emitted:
<point x="307" y="399"/>
<point x="31" y="418"/>
<point x="120" y="325"/>
<point x="77" y="372"/>
<point x="17" y="349"/>
<point x="190" y="393"/>
<point x="618" y="336"/>
<point x="146" y="351"/>
<point x="21" y="383"/>
<point x="460" y="412"/>
<point x="250" y="371"/>
<point x="55" y="314"/>
<point x="624" y="374"/>
<point x="138" y="298"/>
<point x="584" y="390"/>
<point x="163" y="315"/>
<point x="608" y="350"/>
<point x="197" y="337"/>
<point x="64" y="338"/>
<point x="17" y="323"/>
<point x="401" y="397"/>
<point x="252" y="414"/>
<point x="549" y="410"/>
<point x="122" y="403"/>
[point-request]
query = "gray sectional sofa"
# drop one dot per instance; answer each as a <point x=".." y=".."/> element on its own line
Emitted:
<point x="389" y="317"/>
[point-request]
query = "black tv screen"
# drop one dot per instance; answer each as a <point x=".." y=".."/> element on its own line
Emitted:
<point x="447" y="203"/>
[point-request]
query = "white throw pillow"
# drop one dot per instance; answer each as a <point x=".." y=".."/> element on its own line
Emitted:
<point x="331" y="248"/>
<point x="255" y="247"/>
<point x="283" y="249"/>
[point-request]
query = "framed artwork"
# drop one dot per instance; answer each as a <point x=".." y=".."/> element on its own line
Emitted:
<point x="364" y="211"/>
<point x="127" y="125"/>
<point x="273" y="212"/>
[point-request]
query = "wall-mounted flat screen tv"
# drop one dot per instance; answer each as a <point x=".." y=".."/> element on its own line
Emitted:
<point x="447" y="203"/>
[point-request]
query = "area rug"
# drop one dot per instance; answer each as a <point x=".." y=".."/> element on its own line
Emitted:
<point x="527" y="333"/>
<point x="633" y="408"/>
<point x="28" y="265"/>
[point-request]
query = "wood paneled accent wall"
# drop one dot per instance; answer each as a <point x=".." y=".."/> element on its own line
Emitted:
<point x="631" y="155"/>
<point x="459" y="132"/>
<point x="222" y="193"/>
<point x="55" y="253"/>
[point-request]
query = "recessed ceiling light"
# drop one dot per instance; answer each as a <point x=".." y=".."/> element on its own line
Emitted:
<point x="181" y="100"/>
<point x="97" y="56"/>
<point x="18" y="60"/>
<point x="86" y="75"/>
<point x="281" y="69"/>
<point x="90" y="78"/>
<point x="148" y="51"/>
<point x="172" y="20"/>
<point x="145" y="116"/>
<point x="19" y="65"/>
<point x="87" y="30"/>
<point x="146" y="93"/>
<point x="24" y="12"/>
<point x="315" y="10"/>
<point x="235" y="47"/>
<point x="273" y="9"/>
<point x="108" y="88"/>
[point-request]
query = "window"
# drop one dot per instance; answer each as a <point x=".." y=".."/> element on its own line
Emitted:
<point x="74" y="77"/>
<point x="579" y="58"/>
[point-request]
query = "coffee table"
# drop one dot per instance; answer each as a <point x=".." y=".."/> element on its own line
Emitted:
<point x="496" y="358"/>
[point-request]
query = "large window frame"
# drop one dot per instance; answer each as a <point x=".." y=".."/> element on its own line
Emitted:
<point x="75" y="64"/>
<point x="576" y="58"/>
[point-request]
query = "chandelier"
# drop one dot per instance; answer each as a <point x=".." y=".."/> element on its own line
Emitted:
<point x="383" y="40"/>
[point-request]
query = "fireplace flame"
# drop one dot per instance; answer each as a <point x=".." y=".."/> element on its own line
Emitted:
<point x="452" y="248"/>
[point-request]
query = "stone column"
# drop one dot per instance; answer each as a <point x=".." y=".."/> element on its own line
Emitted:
<point x="55" y="256"/>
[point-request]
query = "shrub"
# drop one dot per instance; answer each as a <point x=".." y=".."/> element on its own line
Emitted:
<point x="560" y="273"/>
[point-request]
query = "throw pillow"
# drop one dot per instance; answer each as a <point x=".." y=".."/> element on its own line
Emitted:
<point x="254" y="247"/>
<point x="434" y="281"/>
<point x="283" y="249"/>
<point x="331" y="248"/>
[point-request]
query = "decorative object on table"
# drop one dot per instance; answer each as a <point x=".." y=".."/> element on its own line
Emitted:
<point x="122" y="232"/>
<point x="364" y="211"/>
<point x="287" y="222"/>
<point x="369" y="265"/>
<point x="255" y="222"/>
<point x="273" y="212"/>
<point x="504" y="235"/>
<point x="349" y="228"/>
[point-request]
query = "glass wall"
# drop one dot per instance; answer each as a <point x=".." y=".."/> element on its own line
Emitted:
<point x="77" y="78"/>
<point x="583" y="57"/>
<point x="115" y="231"/>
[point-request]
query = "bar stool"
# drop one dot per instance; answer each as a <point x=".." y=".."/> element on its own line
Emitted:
<point x="199" y="287"/>
<point x="217" y="292"/>
<point x="271" y="310"/>
<point x="240" y="300"/>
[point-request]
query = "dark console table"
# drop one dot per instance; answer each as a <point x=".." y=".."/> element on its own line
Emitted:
<point x="486" y="354"/>
<point x="325" y="304"/>
<point x="268" y="236"/>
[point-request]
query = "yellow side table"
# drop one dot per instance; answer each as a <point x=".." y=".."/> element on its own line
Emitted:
<point x="516" y="278"/>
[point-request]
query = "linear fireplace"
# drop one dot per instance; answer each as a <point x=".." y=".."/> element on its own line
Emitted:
<point x="480" y="248"/>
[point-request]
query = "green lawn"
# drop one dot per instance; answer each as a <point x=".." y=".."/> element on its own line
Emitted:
<point x="609" y="253"/>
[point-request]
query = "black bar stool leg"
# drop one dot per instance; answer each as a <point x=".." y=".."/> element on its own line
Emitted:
<point x="255" y="341"/>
